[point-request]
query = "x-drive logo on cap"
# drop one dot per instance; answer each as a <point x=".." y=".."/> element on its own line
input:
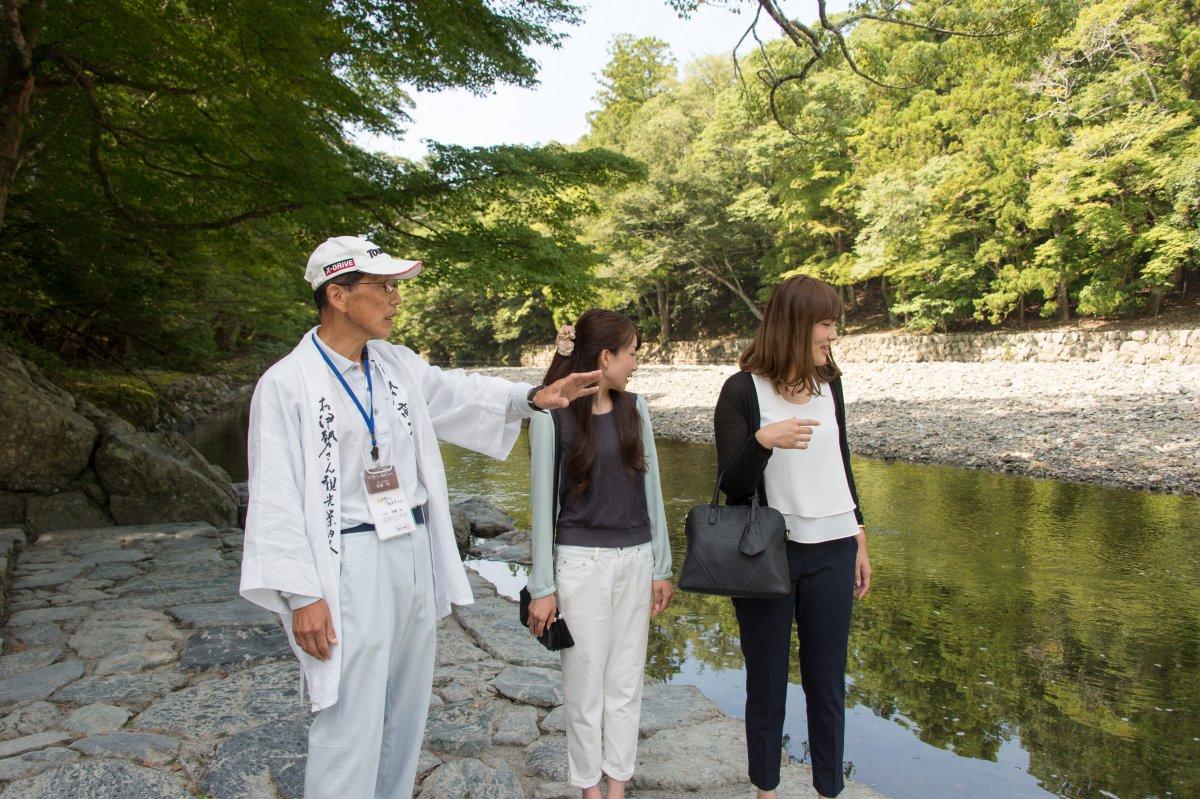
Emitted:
<point x="340" y="266"/>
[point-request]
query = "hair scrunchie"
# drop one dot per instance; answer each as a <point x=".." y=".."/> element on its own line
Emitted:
<point x="564" y="342"/>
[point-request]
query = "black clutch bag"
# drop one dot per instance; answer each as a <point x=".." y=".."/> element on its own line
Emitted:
<point x="556" y="636"/>
<point x="736" y="550"/>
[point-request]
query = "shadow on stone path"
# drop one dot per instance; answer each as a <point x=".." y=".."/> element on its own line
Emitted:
<point x="131" y="669"/>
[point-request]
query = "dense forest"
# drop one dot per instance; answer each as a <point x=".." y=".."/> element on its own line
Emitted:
<point x="166" y="168"/>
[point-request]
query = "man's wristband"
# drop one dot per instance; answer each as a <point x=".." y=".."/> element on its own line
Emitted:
<point x="529" y="397"/>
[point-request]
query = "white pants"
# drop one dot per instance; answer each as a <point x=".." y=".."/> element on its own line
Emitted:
<point x="604" y="597"/>
<point x="367" y="744"/>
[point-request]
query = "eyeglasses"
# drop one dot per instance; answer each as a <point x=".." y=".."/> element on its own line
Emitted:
<point x="389" y="286"/>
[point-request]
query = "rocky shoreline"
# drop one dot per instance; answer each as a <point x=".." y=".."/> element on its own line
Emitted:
<point x="131" y="668"/>
<point x="1122" y="425"/>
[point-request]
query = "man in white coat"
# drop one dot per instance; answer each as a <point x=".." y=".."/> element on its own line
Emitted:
<point x="348" y="532"/>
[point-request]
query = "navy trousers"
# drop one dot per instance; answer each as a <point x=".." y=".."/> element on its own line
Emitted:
<point x="822" y="596"/>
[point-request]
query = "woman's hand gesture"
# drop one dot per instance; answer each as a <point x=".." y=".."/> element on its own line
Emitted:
<point x="788" y="434"/>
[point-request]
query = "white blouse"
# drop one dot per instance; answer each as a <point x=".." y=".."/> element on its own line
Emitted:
<point x="808" y="486"/>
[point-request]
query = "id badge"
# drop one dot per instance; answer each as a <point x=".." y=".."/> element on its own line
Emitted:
<point x="389" y="507"/>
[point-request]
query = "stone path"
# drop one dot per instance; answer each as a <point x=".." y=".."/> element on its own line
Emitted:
<point x="130" y="669"/>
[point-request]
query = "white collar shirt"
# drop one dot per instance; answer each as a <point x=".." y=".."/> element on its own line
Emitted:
<point x="395" y="446"/>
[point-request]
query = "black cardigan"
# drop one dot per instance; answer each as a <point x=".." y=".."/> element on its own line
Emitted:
<point x="736" y="420"/>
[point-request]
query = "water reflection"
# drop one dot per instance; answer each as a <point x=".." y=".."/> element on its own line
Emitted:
<point x="1024" y="638"/>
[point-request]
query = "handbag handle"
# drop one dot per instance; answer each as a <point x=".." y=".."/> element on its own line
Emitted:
<point x="716" y="495"/>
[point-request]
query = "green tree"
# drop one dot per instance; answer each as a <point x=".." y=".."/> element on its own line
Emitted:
<point x="175" y="163"/>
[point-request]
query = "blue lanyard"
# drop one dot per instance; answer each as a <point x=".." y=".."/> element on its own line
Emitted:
<point x="369" y="418"/>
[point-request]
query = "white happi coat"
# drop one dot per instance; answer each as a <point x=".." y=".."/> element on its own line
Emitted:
<point x="293" y="521"/>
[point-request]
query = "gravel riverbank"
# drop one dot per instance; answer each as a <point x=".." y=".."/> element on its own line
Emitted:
<point x="1113" y="424"/>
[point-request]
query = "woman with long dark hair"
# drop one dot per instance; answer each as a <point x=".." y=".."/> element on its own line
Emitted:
<point x="781" y="432"/>
<point x="600" y="551"/>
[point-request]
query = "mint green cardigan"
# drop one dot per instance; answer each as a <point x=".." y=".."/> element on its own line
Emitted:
<point x="544" y="504"/>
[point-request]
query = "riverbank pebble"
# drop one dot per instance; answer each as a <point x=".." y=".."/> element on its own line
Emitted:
<point x="1120" y="425"/>
<point x="205" y="697"/>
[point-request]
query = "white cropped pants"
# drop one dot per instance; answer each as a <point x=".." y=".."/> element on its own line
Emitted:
<point x="604" y="597"/>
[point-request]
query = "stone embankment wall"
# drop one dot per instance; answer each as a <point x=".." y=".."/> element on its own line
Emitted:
<point x="1149" y="346"/>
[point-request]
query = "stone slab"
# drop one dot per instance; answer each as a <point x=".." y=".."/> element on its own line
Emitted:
<point x="36" y="762"/>
<point x="531" y="685"/>
<point x="28" y="660"/>
<point x="273" y="754"/>
<point x="518" y="727"/>
<point x="493" y="626"/>
<point x="474" y="677"/>
<point x="454" y="646"/>
<point x="115" y="630"/>
<point x="43" y="633"/>
<point x="114" y="571"/>
<point x="26" y="718"/>
<point x="83" y="596"/>
<point x="137" y="689"/>
<point x="472" y="779"/>
<point x="147" y="748"/>
<point x="28" y="743"/>
<point x="96" y="718"/>
<point x="114" y="556"/>
<point x="49" y="579"/>
<point x="221" y="647"/>
<point x="664" y="707"/>
<point x="97" y="779"/>
<point x="127" y="534"/>
<point x="547" y="757"/>
<point x="136" y="658"/>
<point x="242" y="701"/>
<point x="696" y="758"/>
<point x="234" y="613"/>
<point x="40" y="683"/>
<point x="40" y="615"/>
<point x="462" y="728"/>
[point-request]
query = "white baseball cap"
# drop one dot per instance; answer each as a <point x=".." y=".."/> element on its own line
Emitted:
<point x="342" y="254"/>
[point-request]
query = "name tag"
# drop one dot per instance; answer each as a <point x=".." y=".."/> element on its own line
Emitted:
<point x="389" y="507"/>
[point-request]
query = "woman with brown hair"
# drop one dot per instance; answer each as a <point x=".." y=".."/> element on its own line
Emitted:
<point x="600" y="548"/>
<point x="781" y="432"/>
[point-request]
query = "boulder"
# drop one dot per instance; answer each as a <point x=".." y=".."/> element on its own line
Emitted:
<point x="462" y="529"/>
<point x="12" y="507"/>
<point x="65" y="511"/>
<point x="44" y="442"/>
<point x="243" y="498"/>
<point x="158" y="477"/>
<point x="487" y="521"/>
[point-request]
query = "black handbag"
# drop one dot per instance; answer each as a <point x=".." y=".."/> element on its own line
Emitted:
<point x="556" y="635"/>
<point x="736" y="550"/>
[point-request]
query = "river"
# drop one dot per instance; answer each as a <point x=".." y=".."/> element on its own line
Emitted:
<point x="1024" y="637"/>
